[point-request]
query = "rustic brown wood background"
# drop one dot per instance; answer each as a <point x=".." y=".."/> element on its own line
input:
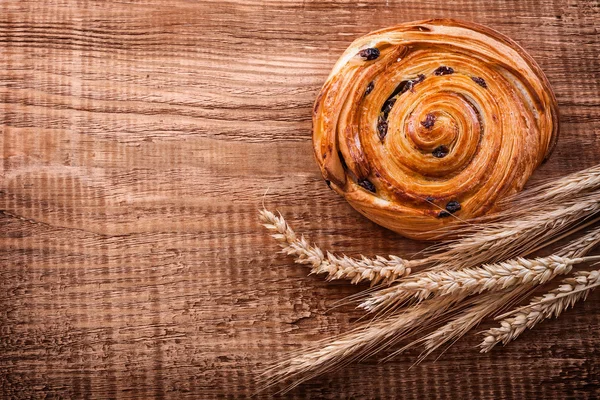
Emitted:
<point x="138" y="141"/>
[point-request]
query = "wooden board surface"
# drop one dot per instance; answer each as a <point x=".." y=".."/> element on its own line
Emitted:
<point x="138" y="141"/>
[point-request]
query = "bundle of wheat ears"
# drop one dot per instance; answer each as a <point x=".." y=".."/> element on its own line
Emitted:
<point x="436" y="299"/>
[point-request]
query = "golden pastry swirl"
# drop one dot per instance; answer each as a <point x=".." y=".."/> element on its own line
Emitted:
<point x="430" y="123"/>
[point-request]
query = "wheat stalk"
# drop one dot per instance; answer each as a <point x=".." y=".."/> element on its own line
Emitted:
<point x="539" y="217"/>
<point x="492" y="277"/>
<point x="457" y="327"/>
<point x="512" y="237"/>
<point x="551" y="304"/>
<point x="377" y="270"/>
<point x="498" y="241"/>
<point x="374" y="336"/>
<point x="510" y="233"/>
<point x="468" y="281"/>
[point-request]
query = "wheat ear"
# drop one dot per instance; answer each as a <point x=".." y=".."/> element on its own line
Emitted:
<point x="551" y="304"/>
<point x="377" y="270"/>
<point x="582" y="245"/>
<point x="490" y="303"/>
<point x="492" y="277"/>
<point x="510" y="234"/>
<point x="496" y="242"/>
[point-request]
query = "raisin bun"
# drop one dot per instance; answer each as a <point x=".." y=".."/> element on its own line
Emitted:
<point x="427" y="124"/>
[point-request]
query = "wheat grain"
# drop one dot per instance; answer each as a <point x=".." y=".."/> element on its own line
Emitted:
<point x="496" y="242"/>
<point x="582" y="245"/>
<point x="377" y="270"/>
<point x="551" y="304"/>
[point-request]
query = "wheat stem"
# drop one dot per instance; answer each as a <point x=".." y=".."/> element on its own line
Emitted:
<point x="359" y="343"/>
<point x="482" y="307"/>
<point x="512" y="237"/>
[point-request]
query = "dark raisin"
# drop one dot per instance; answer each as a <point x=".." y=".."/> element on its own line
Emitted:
<point x="440" y="151"/>
<point x="443" y="70"/>
<point x="367" y="184"/>
<point x="401" y="88"/>
<point x="443" y="214"/>
<point x="387" y="107"/>
<point x="410" y="85"/>
<point x="429" y="121"/>
<point x="369" y="54"/>
<point x="479" y="81"/>
<point x="382" y="127"/>
<point x="369" y="88"/>
<point x="342" y="161"/>
<point x="453" y="206"/>
<point x="429" y="199"/>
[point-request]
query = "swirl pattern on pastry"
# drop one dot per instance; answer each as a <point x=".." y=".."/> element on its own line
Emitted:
<point x="430" y="123"/>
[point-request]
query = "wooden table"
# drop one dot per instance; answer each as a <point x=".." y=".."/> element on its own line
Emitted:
<point x="138" y="141"/>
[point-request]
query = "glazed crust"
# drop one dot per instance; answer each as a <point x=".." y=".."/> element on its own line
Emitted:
<point x="427" y="124"/>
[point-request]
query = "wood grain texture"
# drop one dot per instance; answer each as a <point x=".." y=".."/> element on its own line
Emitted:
<point x="138" y="141"/>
